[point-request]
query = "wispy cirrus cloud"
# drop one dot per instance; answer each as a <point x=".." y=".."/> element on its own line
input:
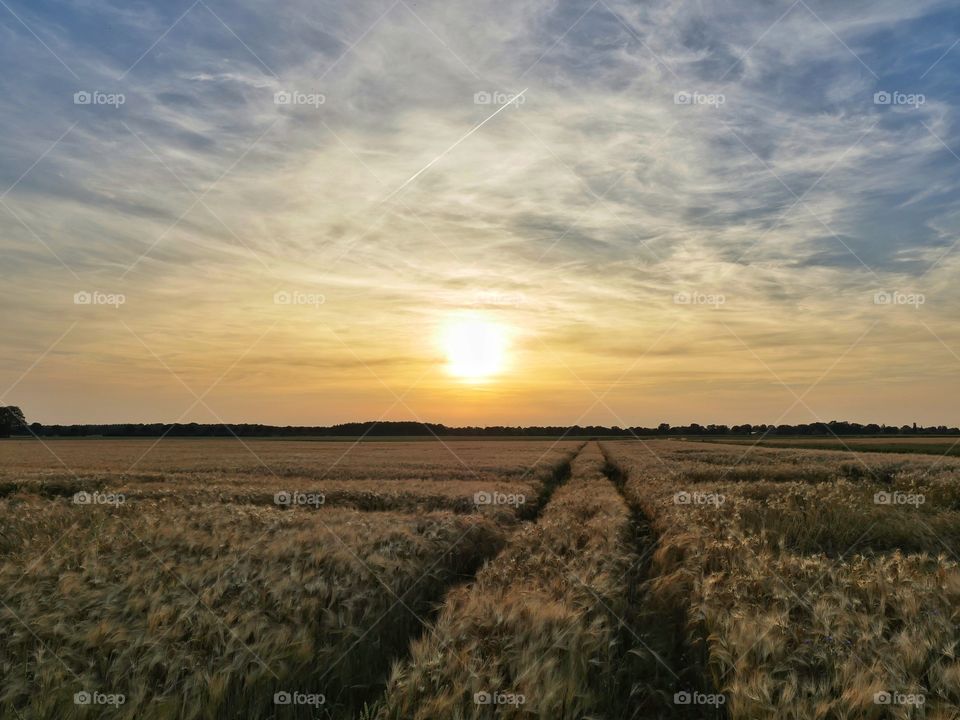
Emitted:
<point x="718" y="148"/>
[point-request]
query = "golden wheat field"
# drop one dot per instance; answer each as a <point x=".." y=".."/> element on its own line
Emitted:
<point x="470" y="579"/>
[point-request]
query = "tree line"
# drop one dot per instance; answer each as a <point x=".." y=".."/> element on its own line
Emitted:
<point x="13" y="422"/>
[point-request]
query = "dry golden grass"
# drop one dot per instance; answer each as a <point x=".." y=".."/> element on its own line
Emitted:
<point x="376" y="495"/>
<point x="232" y="459"/>
<point x="207" y="611"/>
<point x="776" y="578"/>
<point x="402" y="476"/>
<point x="540" y="623"/>
<point x="199" y="597"/>
<point x="809" y="598"/>
<point x="939" y="446"/>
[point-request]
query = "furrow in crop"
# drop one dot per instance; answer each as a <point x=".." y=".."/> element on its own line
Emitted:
<point x="669" y="678"/>
<point x="538" y="634"/>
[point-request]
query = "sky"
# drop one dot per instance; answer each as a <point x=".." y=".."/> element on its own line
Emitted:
<point x="668" y="211"/>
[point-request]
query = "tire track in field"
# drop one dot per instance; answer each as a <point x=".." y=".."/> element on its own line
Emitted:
<point x="543" y="620"/>
<point x="526" y="515"/>
<point x="558" y="476"/>
<point x="666" y="668"/>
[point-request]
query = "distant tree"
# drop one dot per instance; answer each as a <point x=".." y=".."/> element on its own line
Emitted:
<point x="11" y="420"/>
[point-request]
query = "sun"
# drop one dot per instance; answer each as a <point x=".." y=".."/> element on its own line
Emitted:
<point x="476" y="348"/>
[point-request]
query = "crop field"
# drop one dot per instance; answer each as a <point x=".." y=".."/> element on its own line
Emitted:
<point x="367" y="476"/>
<point x="198" y="579"/>
<point x="807" y="584"/>
<point x="940" y="446"/>
<point x="473" y="579"/>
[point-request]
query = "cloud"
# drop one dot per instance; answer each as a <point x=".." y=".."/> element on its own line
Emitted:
<point x="664" y="147"/>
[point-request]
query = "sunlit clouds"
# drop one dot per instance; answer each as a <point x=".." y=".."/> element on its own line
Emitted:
<point x="301" y="202"/>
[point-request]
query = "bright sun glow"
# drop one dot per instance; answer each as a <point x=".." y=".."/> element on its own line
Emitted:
<point x="476" y="348"/>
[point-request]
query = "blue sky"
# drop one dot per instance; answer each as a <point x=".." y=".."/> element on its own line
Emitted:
<point x="730" y="151"/>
